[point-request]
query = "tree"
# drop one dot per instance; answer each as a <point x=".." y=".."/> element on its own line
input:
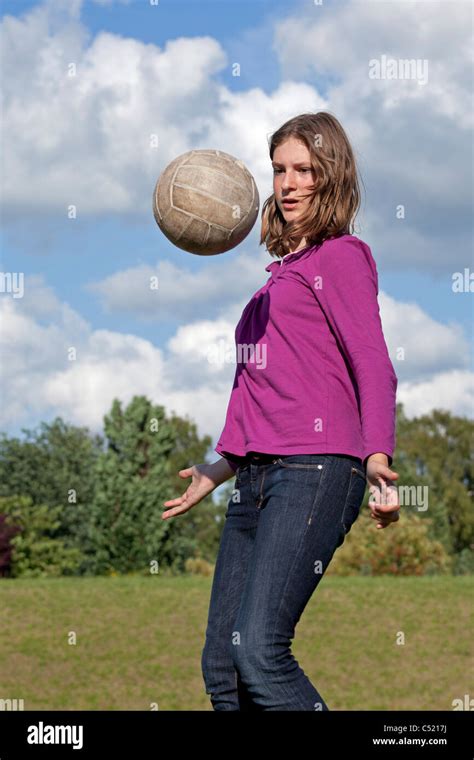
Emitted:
<point x="437" y="451"/>
<point x="202" y="524"/>
<point x="7" y="532"/>
<point x="134" y="476"/>
<point x="54" y="465"/>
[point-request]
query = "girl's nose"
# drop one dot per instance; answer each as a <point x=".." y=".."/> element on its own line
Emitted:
<point x="287" y="181"/>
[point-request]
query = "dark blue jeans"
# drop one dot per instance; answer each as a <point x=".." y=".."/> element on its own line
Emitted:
<point x="284" y="521"/>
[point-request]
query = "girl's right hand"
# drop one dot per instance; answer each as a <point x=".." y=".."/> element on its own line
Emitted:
<point x="201" y="485"/>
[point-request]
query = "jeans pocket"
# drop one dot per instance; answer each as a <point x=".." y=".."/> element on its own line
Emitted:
<point x="354" y="499"/>
<point x="358" y="471"/>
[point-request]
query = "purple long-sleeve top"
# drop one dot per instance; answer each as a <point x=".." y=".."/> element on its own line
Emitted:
<point x="313" y="374"/>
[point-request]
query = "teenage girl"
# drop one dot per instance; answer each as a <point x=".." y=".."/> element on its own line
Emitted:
<point x="310" y="421"/>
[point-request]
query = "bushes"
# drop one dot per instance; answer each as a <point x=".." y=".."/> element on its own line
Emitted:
<point x="32" y="549"/>
<point x="198" y="566"/>
<point x="404" y="548"/>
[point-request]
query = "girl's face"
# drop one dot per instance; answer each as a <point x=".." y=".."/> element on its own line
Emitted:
<point x="292" y="176"/>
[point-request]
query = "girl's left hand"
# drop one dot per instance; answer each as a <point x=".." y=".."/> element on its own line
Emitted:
<point x="384" y="495"/>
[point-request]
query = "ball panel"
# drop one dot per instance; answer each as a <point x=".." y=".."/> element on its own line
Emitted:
<point x="175" y="222"/>
<point x="215" y="184"/>
<point x="202" y="206"/>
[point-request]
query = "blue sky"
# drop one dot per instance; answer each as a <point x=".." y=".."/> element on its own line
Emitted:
<point x="168" y="69"/>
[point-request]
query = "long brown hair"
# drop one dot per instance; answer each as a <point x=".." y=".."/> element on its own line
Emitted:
<point x="335" y="195"/>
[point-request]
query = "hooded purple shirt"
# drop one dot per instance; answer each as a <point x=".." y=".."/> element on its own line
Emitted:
<point x="313" y="373"/>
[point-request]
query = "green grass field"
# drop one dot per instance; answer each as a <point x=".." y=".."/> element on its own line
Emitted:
<point x="139" y="641"/>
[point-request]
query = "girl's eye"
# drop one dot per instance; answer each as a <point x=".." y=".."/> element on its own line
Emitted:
<point x="278" y="171"/>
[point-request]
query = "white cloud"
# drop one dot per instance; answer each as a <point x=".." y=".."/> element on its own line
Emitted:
<point x="413" y="142"/>
<point x="39" y="381"/>
<point x="437" y="32"/>
<point x="453" y="390"/>
<point x="427" y="346"/>
<point x="181" y="290"/>
<point x="199" y="351"/>
<point x="89" y="140"/>
<point x="85" y="140"/>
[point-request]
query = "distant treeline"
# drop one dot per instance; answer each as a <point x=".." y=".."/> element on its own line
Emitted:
<point x="74" y="503"/>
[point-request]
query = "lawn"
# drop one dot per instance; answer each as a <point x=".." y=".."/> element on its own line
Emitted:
<point x="139" y="641"/>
